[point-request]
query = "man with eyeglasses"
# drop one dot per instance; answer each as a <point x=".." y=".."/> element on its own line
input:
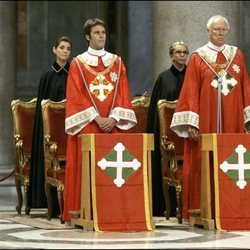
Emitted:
<point x="167" y="86"/>
<point x="216" y="79"/>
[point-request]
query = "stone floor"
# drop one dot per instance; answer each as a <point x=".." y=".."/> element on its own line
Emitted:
<point x="167" y="235"/>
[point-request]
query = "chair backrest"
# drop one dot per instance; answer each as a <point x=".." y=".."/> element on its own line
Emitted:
<point x="166" y="110"/>
<point x="23" y="114"/>
<point x="54" y="124"/>
<point x="140" y="105"/>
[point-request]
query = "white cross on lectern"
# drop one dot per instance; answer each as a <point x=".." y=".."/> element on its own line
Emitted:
<point x="101" y="87"/>
<point x="119" y="164"/>
<point x="241" y="166"/>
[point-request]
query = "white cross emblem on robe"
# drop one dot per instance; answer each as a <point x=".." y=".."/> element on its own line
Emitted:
<point x="236" y="68"/>
<point x="100" y="87"/>
<point x="228" y="83"/>
<point x="119" y="164"/>
<point x="240" y="166"/>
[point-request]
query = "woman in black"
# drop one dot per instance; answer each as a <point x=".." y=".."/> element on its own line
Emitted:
<point x="168" y="86"/>
<point x="52" y="86"/>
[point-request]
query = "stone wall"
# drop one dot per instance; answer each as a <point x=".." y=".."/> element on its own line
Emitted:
<point x="186" y="21"/>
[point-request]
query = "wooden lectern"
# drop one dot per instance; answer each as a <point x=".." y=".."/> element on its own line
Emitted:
<point x="225" y="175"/>
<point x="203" y="217"/>
<point x="89" y="216"/>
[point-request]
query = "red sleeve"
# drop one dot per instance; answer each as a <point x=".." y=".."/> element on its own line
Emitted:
<point x="190" y="92"/>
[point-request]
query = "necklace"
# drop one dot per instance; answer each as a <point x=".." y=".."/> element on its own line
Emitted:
<point x="100" y="73"/>
<point x="219" y="66"/>
<point x="100" y="87"/>
<point x="222" y="78"/>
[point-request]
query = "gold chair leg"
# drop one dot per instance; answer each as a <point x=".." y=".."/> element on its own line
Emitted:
<point x="60" y="189"/>
<point x="19" y="194"/>
<point x="179" y="203"/>
<point x="167" y="199"/>
<point x="26" y="187"/>
<point x="49" y="199"/>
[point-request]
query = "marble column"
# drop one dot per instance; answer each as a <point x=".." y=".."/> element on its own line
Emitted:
<point x="140" y="47"/>
<point x="7" y="81"/>
<point x="245" y="31"/>
<point x="186" y="21"/>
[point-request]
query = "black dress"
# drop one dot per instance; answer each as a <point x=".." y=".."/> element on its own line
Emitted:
<point x="52" y="86"/>
<point x="168" y="86"/>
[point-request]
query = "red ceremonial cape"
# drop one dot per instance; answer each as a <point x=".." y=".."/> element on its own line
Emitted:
<point x="78" y="103"/>
<point x="198" y="96"/>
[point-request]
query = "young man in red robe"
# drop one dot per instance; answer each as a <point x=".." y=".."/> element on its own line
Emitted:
<point x="215" y="64"/>
<point x="98" y="101"/>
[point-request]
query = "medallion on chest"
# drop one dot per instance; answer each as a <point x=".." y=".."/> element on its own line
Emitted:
<point x="101" y="87"/>
<point x="226" y="80"/>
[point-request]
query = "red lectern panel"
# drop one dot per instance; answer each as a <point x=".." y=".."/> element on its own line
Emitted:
<point x="231" y="180"/>
<point x="116" y="182"/>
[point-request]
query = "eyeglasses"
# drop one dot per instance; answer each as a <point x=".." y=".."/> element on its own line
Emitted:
<point x="179" y="52"/>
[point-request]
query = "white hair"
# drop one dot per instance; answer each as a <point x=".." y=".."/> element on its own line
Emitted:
<point x="213" y="19"/>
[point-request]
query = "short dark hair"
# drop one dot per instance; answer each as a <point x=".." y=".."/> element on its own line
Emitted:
<point x="60" y="39"/>
<point x="90" y="23"/>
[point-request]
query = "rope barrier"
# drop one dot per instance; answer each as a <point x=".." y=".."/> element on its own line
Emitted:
<point x="7" y="176"/>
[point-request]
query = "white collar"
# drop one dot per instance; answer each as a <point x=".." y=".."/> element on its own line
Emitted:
<point x="211" y="51"/>
<point x="94" y="52"/>
<point x="214" y="47"/>
<point x="90" y="57"/>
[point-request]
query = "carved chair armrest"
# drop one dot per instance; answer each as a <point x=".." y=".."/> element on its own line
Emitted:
<point x="169" y="147"/>
<point x="20" y="153"/>
<point x="50" y="149"/>
<point x="51" y="152"/>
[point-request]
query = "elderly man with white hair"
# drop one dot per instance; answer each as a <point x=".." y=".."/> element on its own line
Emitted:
<point x="215" y="98"/>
